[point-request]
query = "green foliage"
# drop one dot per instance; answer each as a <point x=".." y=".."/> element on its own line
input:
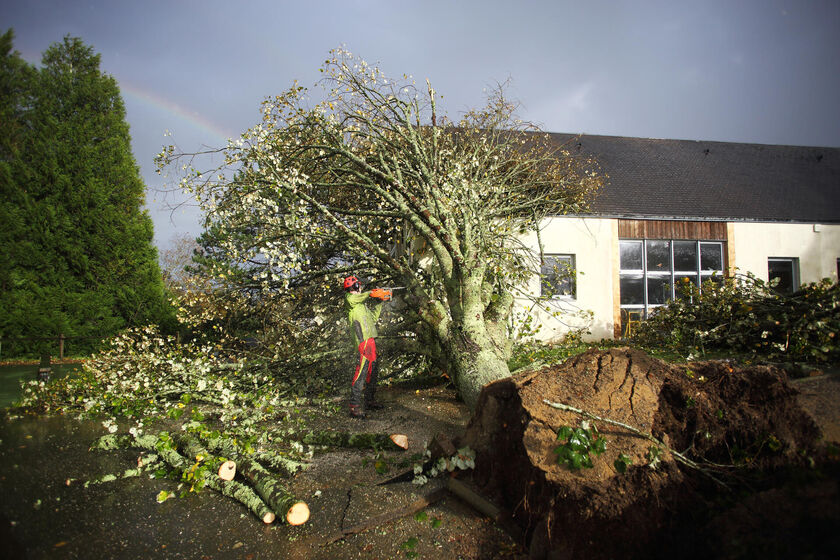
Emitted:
<point x="408" y="547"/>
<point x="579" y="443"/>
<point x="654" y="456"/>
<point x="77" y="256"/>
<point x="533" y="353"/>
<point x="622" y="462"/>
<point x="746" y="316"/>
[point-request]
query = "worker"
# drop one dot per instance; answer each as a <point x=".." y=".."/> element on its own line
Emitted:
<point x="363" y="328"/>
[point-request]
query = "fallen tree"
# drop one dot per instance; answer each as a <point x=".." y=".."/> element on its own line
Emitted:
<point x="375" y="182"/>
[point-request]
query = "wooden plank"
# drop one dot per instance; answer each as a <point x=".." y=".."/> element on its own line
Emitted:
<point x="672" y="229"/>
<point x="616" y="280"/>
<point x="729" y="250"/>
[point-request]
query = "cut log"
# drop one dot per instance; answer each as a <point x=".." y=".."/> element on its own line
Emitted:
<point x="298" y="514"/>
<point x="274" y="493"/>
<point x="267" y="495"/>
<point x="243" y="494"/>
<point x="171" y="457"/>
<point x="283" y="464"/>
<point x="359" y="441"/>
<point x="400" y="440"/>
<point x="128" y="473"/>
<point x="227" y="470"/>
<point x="286" y="466"/>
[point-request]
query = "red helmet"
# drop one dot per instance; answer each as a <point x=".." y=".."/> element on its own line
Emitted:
<point x="350" y="281"/>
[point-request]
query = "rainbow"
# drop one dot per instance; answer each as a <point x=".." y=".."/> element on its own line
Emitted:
<point x="215" y="132"/>
<point x="155" y="101"/>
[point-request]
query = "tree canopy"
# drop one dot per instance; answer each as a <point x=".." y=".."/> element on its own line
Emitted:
<point x="373" y="181"/>
<point x="78" y="257"/>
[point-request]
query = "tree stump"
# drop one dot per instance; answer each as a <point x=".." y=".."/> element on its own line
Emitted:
<point x="608" y="511"/>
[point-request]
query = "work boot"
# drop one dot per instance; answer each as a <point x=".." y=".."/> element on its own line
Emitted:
<point x="370" y="399"/>
<point x="356" y="411"/>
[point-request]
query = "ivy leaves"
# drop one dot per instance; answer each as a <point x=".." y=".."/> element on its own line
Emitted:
<point x="579" y="444"/>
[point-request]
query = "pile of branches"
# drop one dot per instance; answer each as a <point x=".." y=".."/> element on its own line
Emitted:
<point x="747" y="315"/>
<point x="199" y="419"/>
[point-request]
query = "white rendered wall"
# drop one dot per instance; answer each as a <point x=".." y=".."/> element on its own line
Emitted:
<point x="817" y="247"/>
<point x="593" y="243"/>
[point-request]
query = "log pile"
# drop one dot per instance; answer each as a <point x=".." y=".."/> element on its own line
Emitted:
<point x="242" y="477"/>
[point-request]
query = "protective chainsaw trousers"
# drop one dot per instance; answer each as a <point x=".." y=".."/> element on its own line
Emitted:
<point x="365" y="375"/>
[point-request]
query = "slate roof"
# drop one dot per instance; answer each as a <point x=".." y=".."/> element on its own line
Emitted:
<point x="687" y="179"/>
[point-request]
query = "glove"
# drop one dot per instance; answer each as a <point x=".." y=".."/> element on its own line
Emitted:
<point x="379" y="293"/>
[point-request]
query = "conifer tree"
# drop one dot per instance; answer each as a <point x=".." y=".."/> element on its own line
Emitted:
<point x="85" y="264"/>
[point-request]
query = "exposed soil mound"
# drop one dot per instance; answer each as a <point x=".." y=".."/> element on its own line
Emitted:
<point x="709" y="412"/>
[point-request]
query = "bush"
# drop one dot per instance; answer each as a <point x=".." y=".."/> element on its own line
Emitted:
<point x="745" y="315"/>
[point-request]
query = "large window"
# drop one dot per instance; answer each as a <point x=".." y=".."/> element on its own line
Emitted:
<point x="558" y="276"/>
<point x="651" y="268"/>
<point x="783" y="274"/>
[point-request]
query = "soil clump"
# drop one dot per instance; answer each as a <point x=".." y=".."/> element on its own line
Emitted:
<point x="714" y="413"/>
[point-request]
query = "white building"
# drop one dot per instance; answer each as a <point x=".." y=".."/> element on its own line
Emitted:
<point x="678" y="210"/>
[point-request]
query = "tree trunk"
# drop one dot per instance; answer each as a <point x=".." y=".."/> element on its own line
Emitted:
<point x="477" y="361"/>
<point x="360" y="441"/>
<point x="476" y="346"/>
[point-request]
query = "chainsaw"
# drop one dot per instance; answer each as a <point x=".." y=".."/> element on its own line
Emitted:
<point x="385" y="294"/>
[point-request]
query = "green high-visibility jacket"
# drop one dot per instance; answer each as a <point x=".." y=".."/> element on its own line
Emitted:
<point x="362" y="319"/>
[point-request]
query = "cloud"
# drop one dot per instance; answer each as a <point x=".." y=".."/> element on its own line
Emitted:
<point x="567" y="110"/>
<point x="578" y="99"/>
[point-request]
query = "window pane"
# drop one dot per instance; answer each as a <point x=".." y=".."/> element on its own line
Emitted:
<point x="658" y="256"/>
<point x="714" y="278"/>
<point x="659" y="289"/>
<point x="685" y="255"/>
<point x="558" y="275"/>
<point x="711" y="256"/>
<point x="682" y="283"/>
<point x="632" y="290"/>
<point x="631" y="255"/>
<point x="782" y="271"/>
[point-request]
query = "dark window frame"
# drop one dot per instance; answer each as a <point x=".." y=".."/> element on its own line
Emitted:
<point x="653" y="276"/>
<point x="794" y="273"/>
